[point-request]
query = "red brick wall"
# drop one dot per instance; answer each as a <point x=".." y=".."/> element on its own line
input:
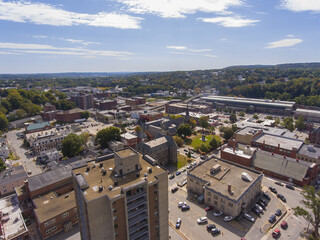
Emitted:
<point x="235" y="158"/>
<point x="153" y="207"/>
<point x="119" y="224"/>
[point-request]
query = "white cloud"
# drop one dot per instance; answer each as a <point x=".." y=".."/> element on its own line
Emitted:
<point x="39" y="36"/>
<point x="7" y="53"/>
<point x="287" y="42"/>
<point x="48" y="49"/>
<point x="40" y="13"/>
<point x="177" y="47"/>
<point x="210" y="55"/>
<point x="290" y="36"/>
<point x="180" y="8"/>
<point x="301" y="5"/>
<point x="77" y="41"/>
<point x="230" y="21"/>
<point x="200" y="50"/>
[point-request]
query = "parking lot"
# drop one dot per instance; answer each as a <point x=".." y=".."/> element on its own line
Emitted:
<point x="260" y="229"/>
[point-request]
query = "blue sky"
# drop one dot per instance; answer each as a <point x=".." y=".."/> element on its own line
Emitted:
<point x="155" y="35"/>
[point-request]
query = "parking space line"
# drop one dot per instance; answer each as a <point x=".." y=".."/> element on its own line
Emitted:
<point x="178" y="231"/>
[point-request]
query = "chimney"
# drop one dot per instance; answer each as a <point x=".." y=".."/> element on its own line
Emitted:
<point x="229" y="188"/>
<point x="284" y="156"/>
<point x="278" y="145"/>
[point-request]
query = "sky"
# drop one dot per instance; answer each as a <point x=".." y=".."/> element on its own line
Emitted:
<point x="155" y="35"/>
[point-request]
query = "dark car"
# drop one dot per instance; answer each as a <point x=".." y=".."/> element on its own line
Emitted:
<point x="278" y="212"/>
<point x="272" y="219"/>
<point x="272" y="189"/>
<point x="279" y="183"/>
<point x="178" y="173"/>
<point x="185" y="208"/>
<point x="178" y="223"/>
<point x="284" y="225"/>
<point x="283" y="199"/>
<point x="173" y="190"/>
<point x="263" y="201"/>
<point x="289" y="186"/>
<point x="210" y="227"/>
<point x="256" y="211"/>
<point x="171" y="176"/>
<point x="266" y="196"/>
<point x="215" y="231"/>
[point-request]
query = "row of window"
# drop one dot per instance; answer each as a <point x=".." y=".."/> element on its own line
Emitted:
<point x="50" y="230"/>
<point x="64" y="215"/>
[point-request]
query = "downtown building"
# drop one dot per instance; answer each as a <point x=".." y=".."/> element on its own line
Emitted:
<point x="122" y="196"/>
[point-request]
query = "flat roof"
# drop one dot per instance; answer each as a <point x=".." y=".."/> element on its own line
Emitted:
<point x="128" y="136"/>
<point x="310" y="151"/>
<point x="93" y="178"/>
<point x="248" y="130"/>
<point x="156" y="142"/>
<point x="232" y="175"/>
<point x="273" y="140"/>
<point x="12" y="174"/>
<point x="237" y="152"/>
<point x="15" y="226"/>
<point x="50" y="205"/>
<point x="250" y="101"/>
<point x="308" y="112"/>
<point x="50" y="177"/>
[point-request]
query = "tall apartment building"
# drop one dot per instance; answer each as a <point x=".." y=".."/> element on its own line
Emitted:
<point x="83" y="101"/>
<point x="123" y="197"/>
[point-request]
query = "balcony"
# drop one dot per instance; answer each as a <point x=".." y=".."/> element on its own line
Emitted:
<point x="137" y="219"/>
<point x="135" y="196"/>
<point x="134" y="229"/>
<point x="137" y="235"/>
<point x="137" y="212"/>
<point x="136" y="204"/>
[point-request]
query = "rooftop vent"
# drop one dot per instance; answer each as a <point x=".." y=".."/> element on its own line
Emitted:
<point x="100" y="188"/>
<point x="216" y="168"/>
<point x="146" y="175"/>
<point x="110" y="188"/>
<point x="101" y="165"/>
<point x="149" y="169"/>
<point x="87" y="169"/>
<point x="245" y="176"/>
<point x="103" y="171"/>
<point x="116" y="183"/>
<point x="138" y="175"/>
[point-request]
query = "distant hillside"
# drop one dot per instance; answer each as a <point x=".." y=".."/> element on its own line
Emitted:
<point x="282" y="66"/>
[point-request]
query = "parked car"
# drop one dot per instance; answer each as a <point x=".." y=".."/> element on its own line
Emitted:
<point x="259" y="208"/>
<point x="283" y="199"/>
<point x="266" y="196"/>
<point x="210" y="227"/>
<point x="183" y="170"/>
<point x="284" y="225"/>
<point x="276" y="233"/>
<point x="178" y="223"/>
<point x="263" y="201"/>
<point x="262" y="205"/>
<point x="171" y="176"/>
<point x="217" y="213"/>
<point x="186" y="150"/>
<point x="215" y="231"/>
<point x="272" y="189"/>
<point x="278" y="212"/>
<point x="208" y="208"/>
<point x="189" y="166"/>
<point x="279" y="183"/>
<point x="202" y="220"/>
<point x="178" y="173"/>
<point x="272" y="219"/>
<point x="174" y="189"/>
<point x="185" y="208"/>
<point x="181" y="204"/>
<point x="202" y="157"/>
<point x="248" y="217"/>
<point x="256" y="211"/>
<point x="228" y="218"/>
<point x="289" y="186"/>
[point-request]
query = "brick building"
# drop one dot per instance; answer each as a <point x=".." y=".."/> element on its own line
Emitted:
<point x="12" y="178"/>
<point x="83" y="101"/>
<point x="37" y="127"/>
<point x="129" y="140"/>
<point x="135" y="101"/>
<point x="314" y="136"/>
<point x="69" y="116"/>
<point x="106" y="104"/>
<point x="176" y="108"/>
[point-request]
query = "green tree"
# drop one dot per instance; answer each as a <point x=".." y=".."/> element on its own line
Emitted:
<point x="300" y="124"/>
<point x="234" y="127"/>
<point x="233" y="118"/>
<point x="85" y="114"/>
<point x="189" y="154"/>
<point x="288" y="123"/>
<point x="107" y="134"/>
<point x="2" y="165"/>
<point x="203" y="120"/>
<point x="178" y="140"/>
<point x="4" y="123"/>
<point x="72" y="145"/>
<point x="255" y="116"/>
<point x="241" y="114"/>
<point x="213" y="143"/>
<point x="227" y="132"/>
<point x="269" y="117"/>
<point x="311" y="212"/>
<point x="184" y="130"/>
<point x="204" y="147"/>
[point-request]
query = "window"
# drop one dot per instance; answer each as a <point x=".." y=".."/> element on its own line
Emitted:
<point x="120" y="171"/>
<point x="66" y="214"/>
<point x="74" y="210"/>
<point x="52" y="221"/>
<point x="114" y="218"/>
<point x="191" y="180"/>
<point x="115" y="225"/>
<point x="209" y="193"/>
<point x="230" y="204"/>
<point x="51" y="230"/>
<point x="209" y="199"/>
<point x="215" y="197"/>
<point x="215" y="203"/>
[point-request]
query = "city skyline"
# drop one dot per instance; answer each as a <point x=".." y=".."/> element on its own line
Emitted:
<point x="141" y="35"/>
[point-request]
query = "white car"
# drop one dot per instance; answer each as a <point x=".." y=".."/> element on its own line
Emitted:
<point x="228" y="218"/>
<point x="248" y="217"/>
<point x="259" y="208"/>
<point x="202" y="220"/>
<point x="217" y="213"/>
<point x="180" y="204"/>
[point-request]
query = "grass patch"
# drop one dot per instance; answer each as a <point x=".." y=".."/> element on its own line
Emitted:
<point x="183" y="160"/>
<point x="197" y="140"/>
